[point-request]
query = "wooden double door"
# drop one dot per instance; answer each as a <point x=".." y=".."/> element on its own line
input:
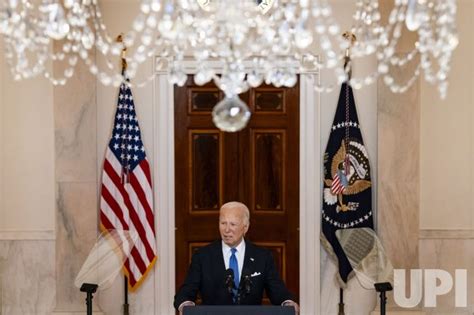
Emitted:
<point x="258" y="166"/>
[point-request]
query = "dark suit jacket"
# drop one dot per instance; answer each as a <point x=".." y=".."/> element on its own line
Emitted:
<point x="207" y="275"/>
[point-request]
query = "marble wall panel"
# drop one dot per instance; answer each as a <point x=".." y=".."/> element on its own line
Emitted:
<point x="449" y="255"/>
<point x="76" y="233"/>
<point x="398" y="167"/>
<point x="76" y="127"/>
<point x="27" y="277"/>
<point x="398" y="195"/>
<point x="75" y="118"/>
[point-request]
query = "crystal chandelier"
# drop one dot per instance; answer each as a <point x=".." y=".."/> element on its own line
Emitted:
<point x="253" y="41"/>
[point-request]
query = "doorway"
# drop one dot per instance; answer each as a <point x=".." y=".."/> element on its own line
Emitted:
<point x="258" y="166"/>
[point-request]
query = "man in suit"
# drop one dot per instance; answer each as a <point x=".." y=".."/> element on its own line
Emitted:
<point x="253" y="268"/>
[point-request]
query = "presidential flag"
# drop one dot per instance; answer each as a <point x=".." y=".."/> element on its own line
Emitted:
<point x="127" y="195"/>
<point x="347" y="193"/>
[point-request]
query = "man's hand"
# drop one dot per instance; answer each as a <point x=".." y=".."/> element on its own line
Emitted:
<point x="292" y="303"/>
<point x="185" y="303"/>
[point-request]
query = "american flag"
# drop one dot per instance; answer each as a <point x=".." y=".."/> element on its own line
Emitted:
<point x="127" y="195"/>
<point x="338" y="183"/>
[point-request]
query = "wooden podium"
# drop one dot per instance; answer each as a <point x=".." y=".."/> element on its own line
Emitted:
<point x="238" y="310"/>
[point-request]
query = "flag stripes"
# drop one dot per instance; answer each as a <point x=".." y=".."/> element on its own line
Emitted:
<point x="337" y="187"/>
<point x="127" y="193"/>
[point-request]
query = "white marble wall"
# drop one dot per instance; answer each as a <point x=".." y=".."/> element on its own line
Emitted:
<point x="447" y="189"/>
<point x="449" y="250"/>
<point x="27" y="250"/>
<point x="75" y="122"/>
<point x="27" y="277"/>
<point x="398" y="171"/>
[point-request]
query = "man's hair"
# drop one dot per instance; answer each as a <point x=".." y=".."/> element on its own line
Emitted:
<point x="236" y="204"/>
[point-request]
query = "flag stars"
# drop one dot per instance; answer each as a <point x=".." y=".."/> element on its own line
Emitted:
<point x="126" y="139"/>
<point x="344" y="124"/>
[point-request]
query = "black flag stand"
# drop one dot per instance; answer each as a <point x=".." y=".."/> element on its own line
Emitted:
<point x="90" y="289"/>
<point x="382" y="288"/>
<point x="341" y="302"/>
<point x="125" y="279"/>
<point x="125" y="292"/>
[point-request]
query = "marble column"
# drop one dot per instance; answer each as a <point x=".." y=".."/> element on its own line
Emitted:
<point x="76" y="182"/>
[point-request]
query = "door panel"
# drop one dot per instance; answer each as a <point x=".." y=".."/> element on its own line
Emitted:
<point x="258" y="166"/>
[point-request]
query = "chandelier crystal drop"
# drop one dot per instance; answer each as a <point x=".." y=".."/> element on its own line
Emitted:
<point x="231" y="114"/>
<point x="237" y="44"/>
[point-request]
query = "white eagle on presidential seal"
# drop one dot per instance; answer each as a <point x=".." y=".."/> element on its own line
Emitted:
<point x="349" y="175"/>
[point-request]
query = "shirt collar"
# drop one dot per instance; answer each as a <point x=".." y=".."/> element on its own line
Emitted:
<point x="240" y="248"/>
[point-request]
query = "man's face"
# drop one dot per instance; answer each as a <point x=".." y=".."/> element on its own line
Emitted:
<point x="232" y="225"/>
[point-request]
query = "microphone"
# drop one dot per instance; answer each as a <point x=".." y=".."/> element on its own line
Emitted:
<point x="247" y="282"/>
<point x="229" y="280"/>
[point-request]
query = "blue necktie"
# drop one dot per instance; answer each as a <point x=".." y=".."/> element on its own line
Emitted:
<point x="235" y="267"/>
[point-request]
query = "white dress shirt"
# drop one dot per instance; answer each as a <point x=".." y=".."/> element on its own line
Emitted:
<point x="240" y="254"/>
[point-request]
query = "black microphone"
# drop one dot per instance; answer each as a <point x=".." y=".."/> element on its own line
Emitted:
<point x="229" y="280"/>
<point x="247" y="281"/>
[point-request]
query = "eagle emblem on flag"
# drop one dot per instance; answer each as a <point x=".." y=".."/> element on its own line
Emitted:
<point x="350" y="175"/>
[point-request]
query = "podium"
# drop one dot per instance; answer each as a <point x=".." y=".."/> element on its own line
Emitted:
<point x="238" y="310"/>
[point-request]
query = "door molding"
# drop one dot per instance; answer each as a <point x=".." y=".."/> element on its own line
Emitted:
<point x="310" y="191"/>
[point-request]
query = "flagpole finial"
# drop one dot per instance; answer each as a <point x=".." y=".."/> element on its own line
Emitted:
<point x="351" y="38"/>
<point x="124" y="53"/>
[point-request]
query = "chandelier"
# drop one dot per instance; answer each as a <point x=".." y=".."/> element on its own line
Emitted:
<point x="252" y="41"/>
